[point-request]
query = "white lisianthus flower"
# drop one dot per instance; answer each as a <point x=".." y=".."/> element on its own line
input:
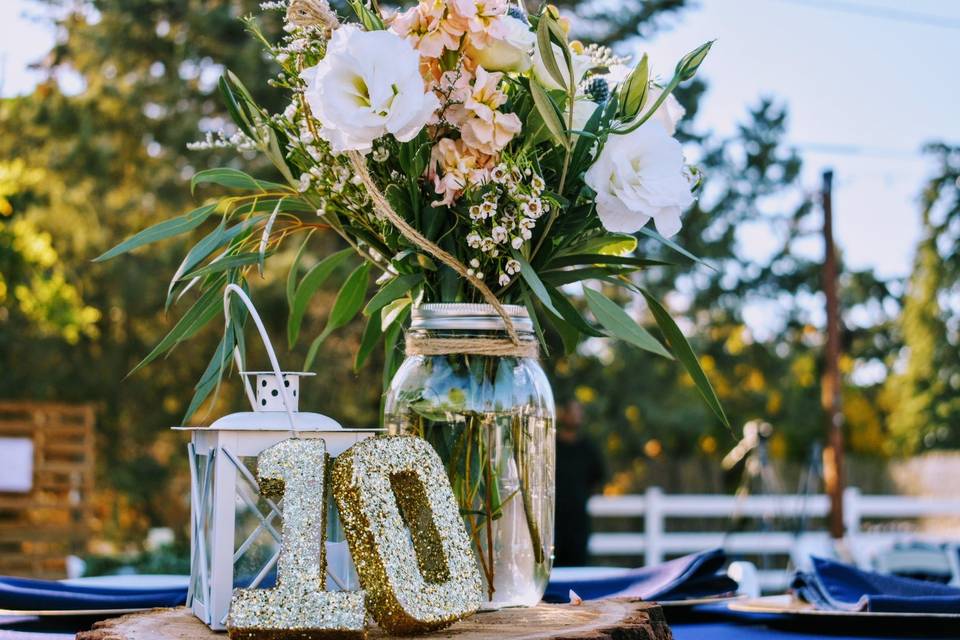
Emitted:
<point x="368" y="85"/>
<point x="669" y="113"/>
<point x="510" y="53"/>
<point x="639" y="176"/>
<point x="582" y="112"/>
<point x="581" y="64"/>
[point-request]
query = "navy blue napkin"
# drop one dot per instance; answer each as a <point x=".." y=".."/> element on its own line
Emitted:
<point x="840" y="587"/>
<point x="24" y="594"/>
<point x="695" y="576"/>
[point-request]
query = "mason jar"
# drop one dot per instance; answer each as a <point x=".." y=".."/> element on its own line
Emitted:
<point x="491" y="420"/>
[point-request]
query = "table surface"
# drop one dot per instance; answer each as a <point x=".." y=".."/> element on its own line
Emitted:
<point x="710" y="624"/>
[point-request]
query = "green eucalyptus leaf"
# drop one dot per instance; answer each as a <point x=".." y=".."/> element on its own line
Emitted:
<point x="533" y="281"/>
<point x="307" y="287"/>
<point x="347" y="304"/>
<point x="291" y="287"/>
<point x="235" y="179"/>
<point x="686" y="356"/>
<point x="545" y="48"/>
<point x="208" y="305"/>
<point x="578" y="259"/>
<point x="225" y="263"/>
<point x="620" y="325"/>
<point x="392" y="290"/>
<point x="548" y="111"/>
<point x="371" y="336"/>
<point x="211" y="242"/>
<point x="161" y="231"/>
<point x="650" y="233"/>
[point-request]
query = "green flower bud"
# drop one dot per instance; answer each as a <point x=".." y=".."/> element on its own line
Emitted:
<point x="688" y="65"/>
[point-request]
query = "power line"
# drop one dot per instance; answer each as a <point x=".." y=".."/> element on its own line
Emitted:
<point x="898" y="15"/>
<point x="841" y="149"/>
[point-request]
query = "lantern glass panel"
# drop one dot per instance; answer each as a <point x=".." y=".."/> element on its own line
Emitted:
<point x="203" y="526"/>
<point x="258" y="527"/>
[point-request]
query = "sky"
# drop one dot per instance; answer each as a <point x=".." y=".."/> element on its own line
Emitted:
<point x="867" y="83"/>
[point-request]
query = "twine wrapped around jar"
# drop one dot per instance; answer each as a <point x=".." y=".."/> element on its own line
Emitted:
<point x="504" y="347"/>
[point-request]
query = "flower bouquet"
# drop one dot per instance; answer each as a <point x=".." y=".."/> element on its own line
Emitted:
<point x="468" y="152"/>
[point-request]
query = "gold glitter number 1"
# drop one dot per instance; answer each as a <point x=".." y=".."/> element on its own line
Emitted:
<point x="298" y="606"/>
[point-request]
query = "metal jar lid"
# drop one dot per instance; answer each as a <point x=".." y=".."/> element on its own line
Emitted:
<point x="467" y="317"/>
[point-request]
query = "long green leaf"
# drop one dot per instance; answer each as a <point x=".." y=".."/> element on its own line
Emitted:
<point x="371" y="336"/>
<point x="202" y="311"/>
<point x="345" y="307"/>
<point x="599" y="258"/>
<point x="548" y="111"/>
<point x="571" y="316"/>
<point x="544" y="45"/>
<point x="161" y="231"/>
<point x="291" y="287"/>
<point x="207" y="245"/>
<point x="536" y="285"/>
<point x="235" y="179"/>
<point x="390" y="338"/>
<point x="559" y="278"/>
<point x="621" y="326"/>
<point x="237" y="114"/>
<point x="225" y="263"/>
<point x="650" y="233"/>
<point x="307" y="287"/>
<point x="687" y="357"/>
<point x="391" y="291"/>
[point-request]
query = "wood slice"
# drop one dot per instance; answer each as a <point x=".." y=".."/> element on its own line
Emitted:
<point x="620" y="619"/>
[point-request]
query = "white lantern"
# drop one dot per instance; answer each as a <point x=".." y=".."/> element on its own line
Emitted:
<point x="235" y="531"/>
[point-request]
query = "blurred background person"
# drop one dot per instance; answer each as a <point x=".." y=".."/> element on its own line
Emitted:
<point x="580" y="473"/>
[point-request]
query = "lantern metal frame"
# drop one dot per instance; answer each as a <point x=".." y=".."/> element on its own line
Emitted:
<point x="221" y="482"/>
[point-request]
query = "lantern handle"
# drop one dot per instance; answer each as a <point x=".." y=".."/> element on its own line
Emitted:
<point x="271" y="354"/>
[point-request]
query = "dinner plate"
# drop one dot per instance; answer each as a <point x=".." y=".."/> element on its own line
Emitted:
<point x="64" y="613"/>
<point x="693" y="602"/>
<point x="787" y="604"/>
<point x="134" y="582"/>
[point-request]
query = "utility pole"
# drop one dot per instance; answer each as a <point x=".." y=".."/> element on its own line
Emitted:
<point x="830" y="390"/>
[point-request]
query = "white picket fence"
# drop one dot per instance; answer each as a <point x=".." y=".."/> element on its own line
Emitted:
<point x="861" y="543"/>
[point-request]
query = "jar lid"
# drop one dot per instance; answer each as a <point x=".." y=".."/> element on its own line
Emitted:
<point x="478" y="317"/>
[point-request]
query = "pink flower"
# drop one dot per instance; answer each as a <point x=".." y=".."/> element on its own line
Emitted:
<point x="490" y="136"/>
<point x="483" y="19"/>
<point x="479" y="98"/>
<point x="428" y="29"/>
<point x="454" y="167"/>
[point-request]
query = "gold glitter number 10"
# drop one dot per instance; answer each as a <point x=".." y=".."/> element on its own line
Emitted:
<point x="405" y="533"/>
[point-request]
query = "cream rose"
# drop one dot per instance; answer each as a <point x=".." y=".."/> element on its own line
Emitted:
<point x="368" y="85"/>
<point x="639" y="176"/>
<point x="510" y="53"/>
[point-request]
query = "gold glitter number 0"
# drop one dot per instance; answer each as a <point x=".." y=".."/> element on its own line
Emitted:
<point x="416" y="582"/>
<point x="298" y="606"/>
<point x="405" y="533"/>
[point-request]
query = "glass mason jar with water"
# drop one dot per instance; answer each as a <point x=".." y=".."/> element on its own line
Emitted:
<point x="491" y="420"/>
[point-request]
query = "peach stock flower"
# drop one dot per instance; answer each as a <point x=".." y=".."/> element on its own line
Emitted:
<point x="477" y="96"/>
<point x="454" y="166"/>
<point x="490" y="137"/>
<point x="483" y="19"/>
<point x="429" y="28"/>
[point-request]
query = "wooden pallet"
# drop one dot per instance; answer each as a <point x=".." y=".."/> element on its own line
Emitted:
<point x="615" y="619"/>
<point x="39" y="529"/>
